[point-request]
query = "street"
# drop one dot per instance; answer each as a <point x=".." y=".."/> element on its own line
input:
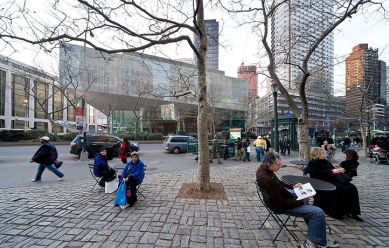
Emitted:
<point x="17" y="171"/>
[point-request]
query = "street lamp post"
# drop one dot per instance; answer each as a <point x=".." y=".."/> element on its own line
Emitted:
<point x="274" y="88"/>
<point x="25" y="105"/>
<point x="368" y="128"/>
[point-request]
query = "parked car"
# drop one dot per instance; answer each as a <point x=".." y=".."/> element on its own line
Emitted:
<point x="179" y="143"/>
<point x="97" y="141"/>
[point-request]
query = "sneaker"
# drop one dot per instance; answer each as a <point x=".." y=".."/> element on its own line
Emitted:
<point x="60" y="179"/>
<point x="332" y="243"/>
<point x="34" y="180"/>
<point x="306" y="244"/>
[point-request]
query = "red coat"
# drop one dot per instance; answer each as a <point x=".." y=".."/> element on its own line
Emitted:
<point x="124" y="146"/>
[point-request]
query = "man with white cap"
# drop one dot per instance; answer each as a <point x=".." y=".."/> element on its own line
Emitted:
<point x="260" y="146"/>
<point x="45" y="157"/>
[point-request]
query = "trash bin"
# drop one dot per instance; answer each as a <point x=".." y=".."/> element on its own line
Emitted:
<point x="313" y="142"/>
<point x="109" y="152"/>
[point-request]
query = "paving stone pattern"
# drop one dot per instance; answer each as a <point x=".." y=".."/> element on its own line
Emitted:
<point x="69" y="215"/>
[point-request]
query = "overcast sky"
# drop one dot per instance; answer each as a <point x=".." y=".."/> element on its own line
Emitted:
<point x="240" y="45"/>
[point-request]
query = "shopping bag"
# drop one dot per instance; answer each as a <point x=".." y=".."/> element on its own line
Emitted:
<point x="111" y="186"/>
<point x="270" y="149"/>
<point x="121" y="194"/>
<point x="57" y="163"/>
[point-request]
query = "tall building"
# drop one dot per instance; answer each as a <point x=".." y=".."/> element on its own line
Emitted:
<point x="249" y="73"/>
<point x="383" y="82"/>
<point x="362" y="78"/>
<point x="212" y="57"/>
<point x="295" y="26"/>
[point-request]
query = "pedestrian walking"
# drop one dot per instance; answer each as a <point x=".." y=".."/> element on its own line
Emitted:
<point x="124" y="149"/>
<point x="286" y="146"/>
<point x="215" y="150"/>
<point x="260" y="146"/>
<point x="226" y="147"/>
<point x="45" y="157"/>
<point x="238" y="149"/>
<point x="247" y="149"/>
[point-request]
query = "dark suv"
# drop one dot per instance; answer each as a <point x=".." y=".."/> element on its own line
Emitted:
<point x="96" y="141"/>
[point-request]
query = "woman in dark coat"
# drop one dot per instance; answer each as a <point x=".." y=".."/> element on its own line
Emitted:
<point x="351" y="163"/>
<point x="344" y="200"/>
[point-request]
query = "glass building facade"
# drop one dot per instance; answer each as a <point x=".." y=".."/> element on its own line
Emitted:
<point x="149" y="92"/>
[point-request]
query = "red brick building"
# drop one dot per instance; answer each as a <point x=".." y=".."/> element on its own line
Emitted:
<point x="249" y="73"/>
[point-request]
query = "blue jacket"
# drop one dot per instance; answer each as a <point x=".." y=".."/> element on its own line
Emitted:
<point x="46" y="154"/>
<point x="102" y="164"/>
<point x="137" y="170"/>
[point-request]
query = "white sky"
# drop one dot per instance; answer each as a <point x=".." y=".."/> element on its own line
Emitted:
<point x="242" y="46"/>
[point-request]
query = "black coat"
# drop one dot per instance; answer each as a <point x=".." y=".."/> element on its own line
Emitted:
<point x="347" y="166"/>
<point x="46" y="154"/>
<point x="344" y="200"/>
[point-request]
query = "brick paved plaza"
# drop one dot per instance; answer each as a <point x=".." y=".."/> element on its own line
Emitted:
<point x="69" y="215"/>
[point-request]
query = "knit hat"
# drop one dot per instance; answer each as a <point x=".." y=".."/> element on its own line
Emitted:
<point x="134" y="154"/>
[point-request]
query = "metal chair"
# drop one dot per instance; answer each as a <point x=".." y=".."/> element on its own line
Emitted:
<point x="97" y="178"/>
<point x="138" y="186"/>
<point x="281" y="222"/>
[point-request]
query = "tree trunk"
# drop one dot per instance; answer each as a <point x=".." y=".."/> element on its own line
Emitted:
<point x="303" y="138"/>
<point x="203" y="176"/>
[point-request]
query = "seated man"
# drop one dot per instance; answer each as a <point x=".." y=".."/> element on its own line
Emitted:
<point x="284" y="202"/>
<point x="101" y="168"/>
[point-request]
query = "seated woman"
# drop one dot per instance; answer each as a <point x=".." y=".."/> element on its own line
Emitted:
<point x="351" y="163"/>
<point x="344" y="200"/>
<point x="101" y="168"/>
<point x="133" y="174"/>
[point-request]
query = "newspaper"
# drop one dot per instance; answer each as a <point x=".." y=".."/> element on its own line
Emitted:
<point x="304" y="191"/>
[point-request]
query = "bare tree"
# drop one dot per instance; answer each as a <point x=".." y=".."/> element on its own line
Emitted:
<point x="260" y="15"/>
<point x="124" y="24"/>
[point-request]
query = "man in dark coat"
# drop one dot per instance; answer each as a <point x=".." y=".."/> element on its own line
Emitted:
<point x="45" y="157"/>
<point x="102" y="169"/>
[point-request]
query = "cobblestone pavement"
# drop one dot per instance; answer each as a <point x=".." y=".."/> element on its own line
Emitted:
<point x="69" y="215"/>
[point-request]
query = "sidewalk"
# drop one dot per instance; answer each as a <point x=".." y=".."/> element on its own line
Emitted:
<point x="71" y="216"/>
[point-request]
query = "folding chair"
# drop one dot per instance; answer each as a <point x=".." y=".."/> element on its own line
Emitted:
<point x="281" y="222"/>
<point x="138" y="186"/>
<point x="97" y="179"/>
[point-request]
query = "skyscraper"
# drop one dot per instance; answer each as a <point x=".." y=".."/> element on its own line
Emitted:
<point x="249" y="73"/>
<point x="295" y="26"/>
<point x="212" y="57"/>
<point x="362" y="78"/>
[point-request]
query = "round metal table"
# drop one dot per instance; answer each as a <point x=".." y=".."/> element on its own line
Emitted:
<point x="316" y="183"/>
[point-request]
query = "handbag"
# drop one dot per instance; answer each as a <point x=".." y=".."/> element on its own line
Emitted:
<point x="121" y="151"/>
<point x="111" y="186"/>
<point x="57" y="163"/>
<point x="343" y="178"/>
<point x="121" y="194"/>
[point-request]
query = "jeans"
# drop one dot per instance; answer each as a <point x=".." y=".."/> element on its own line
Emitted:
<point x="260" y="151"/>
<point x="51" y="168"/>
<point x="315" y="218"/>
<point x="286" y="148"/>
<point x="226" y="153"/>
